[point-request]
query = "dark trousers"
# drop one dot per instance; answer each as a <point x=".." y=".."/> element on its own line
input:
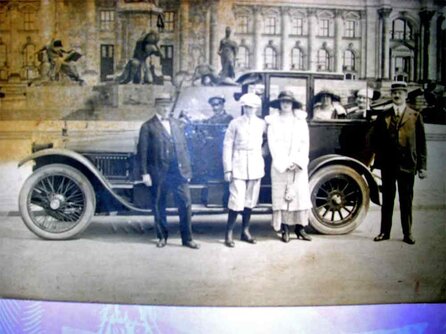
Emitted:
<point x="175" y="183"/>
<point x="390" y="177"/>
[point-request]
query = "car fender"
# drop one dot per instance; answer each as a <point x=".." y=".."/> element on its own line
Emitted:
<point x="332" y="159"/>
<point x="60" y="152"/>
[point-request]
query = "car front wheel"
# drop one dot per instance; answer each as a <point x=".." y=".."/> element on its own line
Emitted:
<point x="57" y="202"/>
<point x="340" y="198"/>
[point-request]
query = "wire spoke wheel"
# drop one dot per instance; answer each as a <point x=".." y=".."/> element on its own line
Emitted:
<point x="57" y="202"/>
<point x="340" y="199"/>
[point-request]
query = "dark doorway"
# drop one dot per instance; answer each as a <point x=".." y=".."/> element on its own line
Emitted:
<point x="107" y="61"/>
<point x="167" y="61"/>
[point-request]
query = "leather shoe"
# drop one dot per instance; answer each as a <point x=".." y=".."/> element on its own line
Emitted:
<point x="230" y="243"/>
<point x="409" y="240"/>
<point x="285" y="237"/>
<point x="191" y="244"/>
<point x="161" y="243"/>
<point x="285" y="233"/>
<point x="381" y="237"/>
<point x="247" y="239"/>
<point x="301" y="233"/>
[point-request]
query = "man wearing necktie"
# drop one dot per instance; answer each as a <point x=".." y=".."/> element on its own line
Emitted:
<point x="398" y="139"/>
<point x="165" y="166"/>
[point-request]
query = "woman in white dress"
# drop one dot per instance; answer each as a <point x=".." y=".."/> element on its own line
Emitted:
<point x="288" y="141"/>
<point x="327" y="106"/>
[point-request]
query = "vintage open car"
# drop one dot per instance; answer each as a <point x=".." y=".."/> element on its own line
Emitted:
<point x="101" y="174"/>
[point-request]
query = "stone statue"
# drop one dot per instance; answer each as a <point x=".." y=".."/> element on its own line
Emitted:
<point x="228" y="51"/>
<point x="55" y="61"/>
<point x="136" y="69"/>
<point x="207" y="75"/>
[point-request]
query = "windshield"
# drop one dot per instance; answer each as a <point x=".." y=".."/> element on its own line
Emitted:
<point x="193" y="102"/>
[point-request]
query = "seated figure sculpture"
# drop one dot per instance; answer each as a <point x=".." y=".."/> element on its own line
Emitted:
<point x="136" y="69"/>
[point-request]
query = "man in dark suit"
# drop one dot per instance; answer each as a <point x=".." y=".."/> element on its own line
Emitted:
<point x="398" y="139"/>
<point x="165" y="166"/>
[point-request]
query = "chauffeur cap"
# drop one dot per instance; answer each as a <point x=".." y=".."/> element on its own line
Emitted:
<point x="216" y="99"/>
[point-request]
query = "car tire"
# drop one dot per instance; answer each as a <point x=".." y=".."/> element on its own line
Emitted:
<point x="57" y="202"/>
<point x="340" y="198"/>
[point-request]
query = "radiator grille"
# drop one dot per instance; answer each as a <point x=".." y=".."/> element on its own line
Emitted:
<point x="114" y="166"/>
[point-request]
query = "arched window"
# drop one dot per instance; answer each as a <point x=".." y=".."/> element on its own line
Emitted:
<point x="401" y="29"/>
<point x="349" y="60"/>
<point x="323" y="60"/>
<point x="243" y="57"/>
<point x="297" y="59"/>
<point x="270" y="58"/>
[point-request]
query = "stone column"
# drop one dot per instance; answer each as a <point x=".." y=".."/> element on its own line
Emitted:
<point x="47" y="9"/>
<point x="14" y="56"/>
<point x="338" y="56"/>
<point x="284" y="33"/>
<point x="184" y="35"/>
<point x="441" y="48"/>
<point x="258" y="54"/>
<point x="385" y="25"/>
<point x="426" y="19"/>
<point x="119" y="57"/>
<point x="92" y="47"/>
<point x="312" y="48"/>
<point x="123" y="40"/>
<point x="363" y="46"/>
<point x="213" y="36"/>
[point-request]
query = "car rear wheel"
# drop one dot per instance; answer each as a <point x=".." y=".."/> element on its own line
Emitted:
<point x="340" y="198"/>
<point x="57" y="202"/>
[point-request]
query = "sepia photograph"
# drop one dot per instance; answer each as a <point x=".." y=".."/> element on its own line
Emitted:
<point x="222" y="152"/>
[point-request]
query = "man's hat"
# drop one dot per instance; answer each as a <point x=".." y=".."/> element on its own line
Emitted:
<point x="285" y="95"/>
<point x="398" y="85"/>
<point x="164" y="97"/>
<point x="216" y="100"/>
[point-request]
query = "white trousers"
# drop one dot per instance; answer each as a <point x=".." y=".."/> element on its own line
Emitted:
<point x="243" y="194"/>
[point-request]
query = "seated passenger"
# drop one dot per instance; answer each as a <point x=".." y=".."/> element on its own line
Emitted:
<point x="362" y="103"/>
<point x="327" y="106"/>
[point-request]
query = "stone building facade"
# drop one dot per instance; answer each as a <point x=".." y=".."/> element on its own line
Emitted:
<point x="367" y="39"/>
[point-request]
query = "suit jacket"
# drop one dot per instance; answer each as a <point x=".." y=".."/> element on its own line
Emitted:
<point x="404" y="148"/>
<point x="156" y="149"/>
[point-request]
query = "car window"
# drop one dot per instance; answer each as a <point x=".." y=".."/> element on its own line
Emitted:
<point x="298" y="86"/>
<point x="193" y="102"/>
<point x="335" y="99"/>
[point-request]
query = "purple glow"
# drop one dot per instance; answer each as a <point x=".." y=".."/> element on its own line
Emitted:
<point x="57" y="317"/>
